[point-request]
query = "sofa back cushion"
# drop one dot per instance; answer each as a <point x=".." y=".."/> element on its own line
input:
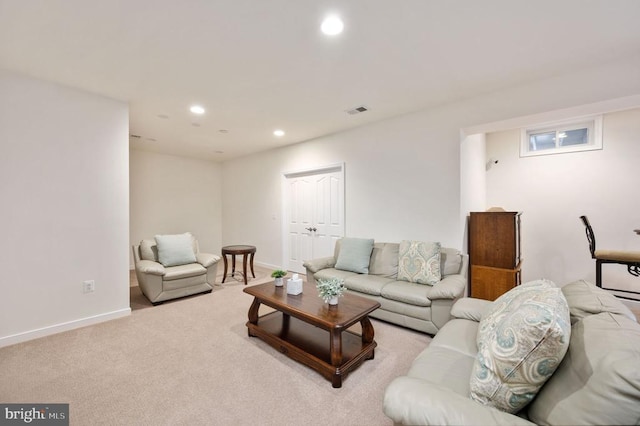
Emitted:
<point x="586" y="299"/>
<point x="598" y="382"/>
<point x="521" y="341"/>
<point x="384" y="260"/>
<point x="354" y="255"/>
<point x="149" y="250"/>
<point x="419" y="262"/>
<point x="450" y="261"/>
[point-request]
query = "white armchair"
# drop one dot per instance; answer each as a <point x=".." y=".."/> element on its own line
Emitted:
<point x="171" y="266"/>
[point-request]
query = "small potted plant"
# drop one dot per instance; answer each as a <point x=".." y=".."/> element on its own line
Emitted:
<point x="330" y="289"/>
<point x="278" y="274"/>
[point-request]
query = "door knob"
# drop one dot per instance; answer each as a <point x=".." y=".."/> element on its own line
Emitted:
<point x="311" y="229"/>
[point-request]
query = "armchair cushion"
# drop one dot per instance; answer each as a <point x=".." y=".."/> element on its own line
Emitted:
<point x="419" y="262"/>
<point x="174" y="250"/>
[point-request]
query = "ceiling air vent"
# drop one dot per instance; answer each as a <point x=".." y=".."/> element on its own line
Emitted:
<point x="357" y="110"/>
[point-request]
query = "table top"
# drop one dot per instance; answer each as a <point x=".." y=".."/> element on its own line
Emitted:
<point x="238" y="249"/>
<point x="309" y="307"/>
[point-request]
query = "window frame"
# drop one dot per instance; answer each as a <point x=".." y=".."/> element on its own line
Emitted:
<point x="593" y="123"/>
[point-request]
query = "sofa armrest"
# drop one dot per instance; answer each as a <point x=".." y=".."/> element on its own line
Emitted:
<point x="207" y="259"/>
<point x="450" y="287"/>
<point x="470" y="308"/>
<point x="413" y="401"/>
<point x="150" y="267"/>
<point x="316" y="265"/>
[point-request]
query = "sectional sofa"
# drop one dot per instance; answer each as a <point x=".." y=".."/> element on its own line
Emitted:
<point x="590" y="378"/>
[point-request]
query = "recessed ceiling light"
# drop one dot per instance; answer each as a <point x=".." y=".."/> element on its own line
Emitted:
<point x="278" y="133"/>
<point x="197" y="109"/>
<point x="332" y="25"/>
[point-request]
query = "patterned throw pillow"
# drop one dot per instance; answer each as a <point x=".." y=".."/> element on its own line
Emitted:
<point x="419" y="262"/>
<point x="521" y="342"/>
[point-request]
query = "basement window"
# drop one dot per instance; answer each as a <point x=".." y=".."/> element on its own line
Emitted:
<point x="583" y="134"/>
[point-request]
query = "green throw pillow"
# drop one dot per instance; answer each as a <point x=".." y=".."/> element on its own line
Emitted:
<point x="174" y="250"/>
<point x="354" y="255"/>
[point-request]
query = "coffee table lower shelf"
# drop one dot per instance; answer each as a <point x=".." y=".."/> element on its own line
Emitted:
<point x="310" y="346"/>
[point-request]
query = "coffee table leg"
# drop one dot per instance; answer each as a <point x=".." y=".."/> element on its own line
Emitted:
<point x="253" y="313"/>
<point x="335" y="346"/>
<point x="224" y="277"/>
<point x="251" y="263"/>
<point x="367" y="333"/>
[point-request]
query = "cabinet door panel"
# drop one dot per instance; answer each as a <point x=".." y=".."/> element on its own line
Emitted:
<point x="494" y="239"/>
<point x="490" y="283"/>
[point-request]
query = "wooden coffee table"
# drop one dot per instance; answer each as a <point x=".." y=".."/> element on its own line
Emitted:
<point x="312" y="332"/>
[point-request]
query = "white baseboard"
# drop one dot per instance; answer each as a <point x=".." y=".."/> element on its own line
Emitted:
<point x="59" y="328"/>
<point x="267" y="265"/>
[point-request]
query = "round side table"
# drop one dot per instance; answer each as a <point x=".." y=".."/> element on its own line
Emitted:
<point x="237" y="250"/>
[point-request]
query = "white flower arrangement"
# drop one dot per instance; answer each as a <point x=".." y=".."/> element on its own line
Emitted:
<point x="329" y="288"/>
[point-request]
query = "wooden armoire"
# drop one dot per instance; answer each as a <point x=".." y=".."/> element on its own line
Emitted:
<point x="494" y="253"/>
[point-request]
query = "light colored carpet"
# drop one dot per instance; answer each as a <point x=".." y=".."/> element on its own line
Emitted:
<point x="191" y="362"/>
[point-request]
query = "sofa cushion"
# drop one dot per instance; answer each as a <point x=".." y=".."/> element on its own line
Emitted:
<point x="450" y="261"/>
<point x="419" y="262"/>
<point x="586" y="299"/>
<point x="325" y="274"/>
<point x="175" y="249"/>
<point x="184" y="271"/>
<point x="384" y="260"/>
<point x="406" y="292"/>
<point x="598" y="382"/>
<point x="449" y="357"/>
<point x="367" y="284"/>
<point x="521" y="341"/>
<point x="354" y="255"/>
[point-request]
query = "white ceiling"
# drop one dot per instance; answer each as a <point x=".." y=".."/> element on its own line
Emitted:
<point x="258" y="65"/>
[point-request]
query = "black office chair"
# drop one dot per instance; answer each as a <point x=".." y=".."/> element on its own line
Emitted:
<point x="629" y="258"/>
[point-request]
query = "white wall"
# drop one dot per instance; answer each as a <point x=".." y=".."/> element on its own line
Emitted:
<point x="64" y="219"/>
<point x="403" y="192"/>
<point x="553" y="191"/>
<point x="403" y="174"/>
<point x="171" y="195"/>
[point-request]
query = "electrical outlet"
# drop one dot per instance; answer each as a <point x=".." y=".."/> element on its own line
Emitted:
<point x="88" y="286"/>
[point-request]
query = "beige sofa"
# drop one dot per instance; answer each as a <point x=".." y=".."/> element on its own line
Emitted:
<point x="421" y="307"/>
<point x="597" y="382"/>
<point x="160" y="283"/>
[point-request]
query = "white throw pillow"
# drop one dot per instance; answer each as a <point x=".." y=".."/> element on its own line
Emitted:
<point x="521" y="341"/>
<point x="174" y="250"/>
<point x="354" y="255"/>
<point x="419" y="262"/>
